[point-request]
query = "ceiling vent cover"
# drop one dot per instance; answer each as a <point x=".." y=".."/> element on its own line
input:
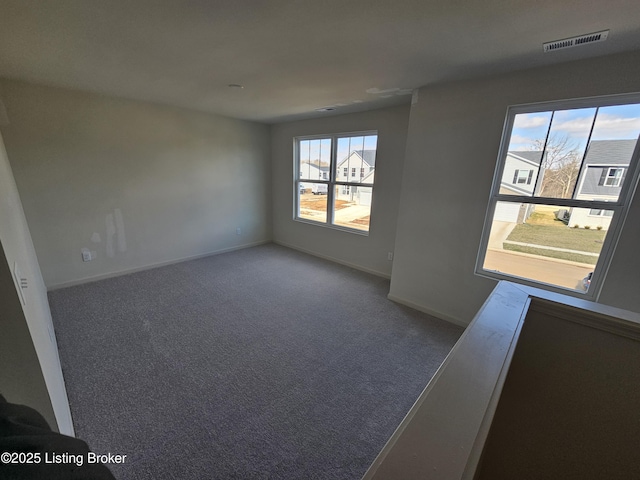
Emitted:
<point x="576" y="41"/>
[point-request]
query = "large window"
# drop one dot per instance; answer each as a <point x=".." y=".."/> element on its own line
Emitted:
<point x="334" y="179"/>
<point x="565" y="176"/>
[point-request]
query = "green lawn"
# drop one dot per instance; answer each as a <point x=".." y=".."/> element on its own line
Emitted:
<point x="543" y="228"/>
<point x="559" y="236"/>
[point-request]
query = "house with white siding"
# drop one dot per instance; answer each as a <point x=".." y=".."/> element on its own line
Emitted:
<point x="519" y="178"/>
<point x="357" y="167"/>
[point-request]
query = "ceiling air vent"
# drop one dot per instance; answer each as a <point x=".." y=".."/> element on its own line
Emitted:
<point x="575" y="41"/>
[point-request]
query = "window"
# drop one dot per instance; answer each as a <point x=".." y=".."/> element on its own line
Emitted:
<point x="554" y="215"/>
<point x="334" y="198"/>
<point x="598" y="212"/>
<point x="523" y="176"/>
<point x="613" y="177"/>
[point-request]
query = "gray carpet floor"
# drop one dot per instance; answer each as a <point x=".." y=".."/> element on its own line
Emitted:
<point x="263" y="363"/>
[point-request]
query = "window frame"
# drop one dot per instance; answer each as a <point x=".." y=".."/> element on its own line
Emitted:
<point x="620" y="207"/>
<point x="526" y="178"/>
<point x="615" y="178"/>
<point x="332" y="182"/>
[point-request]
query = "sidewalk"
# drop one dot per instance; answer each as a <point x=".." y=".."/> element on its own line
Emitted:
<point x="556" y="249"/>
<point x="499" y="233"/>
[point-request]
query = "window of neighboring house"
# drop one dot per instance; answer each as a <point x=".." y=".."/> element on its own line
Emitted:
<point x="560" y="232"/>
<point x="344" y="202"/>
<point x="598" y="212"/>
<point x="612" y="177"/>
<point x="523" y="176"/>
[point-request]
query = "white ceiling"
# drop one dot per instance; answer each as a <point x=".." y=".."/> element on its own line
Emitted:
<point x="292" y="57"/>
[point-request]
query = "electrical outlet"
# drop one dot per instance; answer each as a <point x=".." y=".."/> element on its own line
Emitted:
<point x="390" y="256"/>
<point x="238" y="231"/>
<point x="86" y="255"/>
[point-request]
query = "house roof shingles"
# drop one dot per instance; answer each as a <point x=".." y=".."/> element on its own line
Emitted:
<point x="533" y="156"/>
<point x="369" y="157"/>
<point x="610" y="152"/>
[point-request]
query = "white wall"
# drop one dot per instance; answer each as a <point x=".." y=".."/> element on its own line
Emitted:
<point x="140" y="184"/>
<point x="28" y="352"/>
<point x="367" y="253"/>
<point x="452" y="147"/>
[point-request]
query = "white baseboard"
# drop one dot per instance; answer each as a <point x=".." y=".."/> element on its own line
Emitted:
<point x="335" y="260"/>
<point x="127" y="271"/>
<point x="428" y="311"/>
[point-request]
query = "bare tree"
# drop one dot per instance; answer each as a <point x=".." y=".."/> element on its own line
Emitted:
<point x="560" y="165"/>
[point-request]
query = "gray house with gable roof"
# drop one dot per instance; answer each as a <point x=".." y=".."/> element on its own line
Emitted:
<point x="603" y="173"/>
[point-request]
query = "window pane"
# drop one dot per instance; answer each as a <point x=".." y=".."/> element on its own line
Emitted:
<point x="356" y="157"/>
<point x="352" y="206"/>
<point x="522" y="163"/>
<point x="528" y="130"/>
<point x="614" y="137"/>
<point x="564" y="150"/>
<point x="312" y="201"/>
<point x="550" y="244"/>
<point x="315" y="159"/>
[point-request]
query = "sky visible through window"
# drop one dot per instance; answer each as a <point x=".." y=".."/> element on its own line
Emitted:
<point x="319" y="151"/>
<point x="349" y="144"/>
<point x="612" y="123"/>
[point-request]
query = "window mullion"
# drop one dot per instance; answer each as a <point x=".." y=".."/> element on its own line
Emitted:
<point x="584" y="155"/>
<point x="332" y="178"/>
<point x="541" y="168"/>
<point x="560" y="202"/>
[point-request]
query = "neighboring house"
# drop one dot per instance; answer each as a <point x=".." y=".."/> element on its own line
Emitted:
<point x="364" y="193"/>
<point x="605" y="166"/>
<point x="358" y="167"/>
<point x="519" y="178"/>
<point x="309" y="171"/>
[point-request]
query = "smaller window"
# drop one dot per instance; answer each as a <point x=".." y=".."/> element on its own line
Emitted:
<point x="346" y="172"/>
<point x="362" y="172"/>
<point x="522" y="177"/>
<point x="596" y="212"/>
<point x="324" y="175"/>
<point x="353" y="172"/>
<point x="345" y="189"/>
<point x="613" y="177"/>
